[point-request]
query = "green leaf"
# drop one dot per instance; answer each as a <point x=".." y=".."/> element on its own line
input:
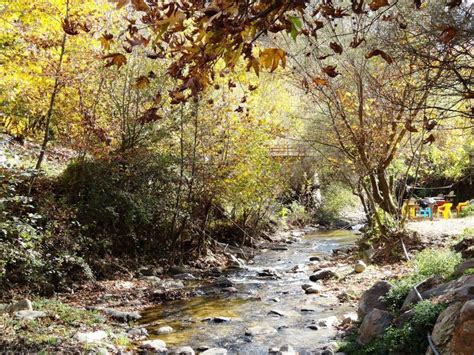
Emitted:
<point x="296" y="25"/>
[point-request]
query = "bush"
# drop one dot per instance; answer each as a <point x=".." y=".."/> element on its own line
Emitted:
<point x="294" y="214"/>
<point x="467" y="211"/>
<point x="427" y="263"/>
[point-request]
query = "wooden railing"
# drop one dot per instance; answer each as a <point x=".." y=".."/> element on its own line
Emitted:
<point x="289" y="150"/>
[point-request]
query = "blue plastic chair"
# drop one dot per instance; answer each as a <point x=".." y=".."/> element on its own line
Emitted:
<point x="425" y="212"/>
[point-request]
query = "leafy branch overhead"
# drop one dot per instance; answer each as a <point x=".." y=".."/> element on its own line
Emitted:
<point x="195" y="35"/>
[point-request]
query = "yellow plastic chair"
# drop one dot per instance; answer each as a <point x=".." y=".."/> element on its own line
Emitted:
<point x="408" y="211"/>
<point x="460" y="206"/>
<point x="445" y="210"/>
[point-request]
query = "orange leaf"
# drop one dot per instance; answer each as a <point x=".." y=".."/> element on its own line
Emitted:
<point x="141" y="82"/>
<point x="378" y="52"/>
<point x="140" y="5"/>
<point x="117" y="59"/>
<point x="377" y="4"/>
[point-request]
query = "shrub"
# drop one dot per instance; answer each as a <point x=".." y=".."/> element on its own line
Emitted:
<point x="467" y="211"/>
<point x="427" y="263"/>
<point x="294" y="214"/>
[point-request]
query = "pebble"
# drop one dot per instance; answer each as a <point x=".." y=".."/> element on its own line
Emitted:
<point x="164" y="330"/>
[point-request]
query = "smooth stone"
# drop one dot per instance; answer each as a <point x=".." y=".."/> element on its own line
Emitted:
<point x="327" y="322"/>
<point x="91" y="337"/>
<point x="164" y="330"/>
<point x="360" y="267"/>
<point x="215" y="351"/>
<point x="221" y="319"/>
<point x="313" y="327"/>
<point x="315" y="258"/>
<point x="121" y="316"/>
<point x="308" y="310"/>
<point x="29" y="315"/>
<point x="137" y="332"/>
<point x="154" y="345"/>
<point x="276" y="300"/>
<point x="314" y="289"/>
<point x="276" y="313"/>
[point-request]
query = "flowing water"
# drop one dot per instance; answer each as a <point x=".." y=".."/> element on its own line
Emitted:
<point x="252" y="305"/>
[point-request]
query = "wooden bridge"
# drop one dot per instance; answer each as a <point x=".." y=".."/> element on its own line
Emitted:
<point x="292" y="150"/>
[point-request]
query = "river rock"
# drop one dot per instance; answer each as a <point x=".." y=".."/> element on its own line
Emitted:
<point x="221" y="319"/>
<point x="164" y="330"/>
<point x="374" y="324"/>
<point x="286" y="349"/>
<point x="23" y="305"/>
<point x="29" y="315"/>
<point x="260" y="330"/>
<point x="91" y="337"/>
<point x="315" y="258"/>
<point x="323" y="275"/>
<point x="223" y="282"/>
<point x="276" y="312"/>
<point x="156" y="345"/>
<point x="360" y="266"/>
<point x="465" y="265"/>
<point x="349" y="318"/>
<point x="121" y="316"/>
<point x="184" y="350"/>
<point x="137" y="332"/>
<point x="313" y="289"/>
<point x="373" y="298"/>
<point x="215" y="351"/>
<point x="327" y="322"/>
<point x="186" y="277"/>
<point x="267" y="273"/>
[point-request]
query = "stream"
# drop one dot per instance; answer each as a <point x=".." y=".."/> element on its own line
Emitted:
<point x="263" y="312"/>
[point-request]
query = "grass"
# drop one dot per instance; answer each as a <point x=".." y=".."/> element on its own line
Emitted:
<point x="56" y="330"/>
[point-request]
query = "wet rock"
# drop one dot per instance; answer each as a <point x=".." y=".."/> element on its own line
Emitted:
<point x="360" y="266"/>
<point x="297" y="268"/>
<point x="315" y="258"/>
<point x="236" y="263"/>
<point x="307" y="310"/>
<point x="275" y="299"/>
<point x="374" y="324"/>
<point x="327" y="322"/>
<point x="323" y="275"/>
<point x="267" y="273"/>
<point x="164" y="330"/>
<point x="313" y="326"/>
<point x="230" y="290"/>
<point x="185" y="276"/>
<point x="151" y="279"/>
<point x="223" y="281"/>
<point x="279" y="248"/>
<point x="137" y="332"/>
<point x="184" y="350"/>
<point x="276" y="312"/>
<point x="349" y="318"/>
<point x="215" y="351"/>
<point x="29" y="315"/>
<point x="120" y="316"/>
<point x="221" y="319"/>
<point x="373" y="298"/>
<point x="91" y="337"/>
<point x="465" y="265"/>
<point x="23" y="305"/>
<point x="260" y="330"/>
<point x="155" y="345"/>
<point x="286" y="349"/>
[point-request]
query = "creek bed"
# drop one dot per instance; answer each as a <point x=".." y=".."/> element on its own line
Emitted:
<point x="251" y="306"/>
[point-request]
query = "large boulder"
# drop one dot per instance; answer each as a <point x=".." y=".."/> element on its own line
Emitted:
<point x="453" y="332"/>
<point x="373" y="325"/>
<point x="373" y="298"/>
